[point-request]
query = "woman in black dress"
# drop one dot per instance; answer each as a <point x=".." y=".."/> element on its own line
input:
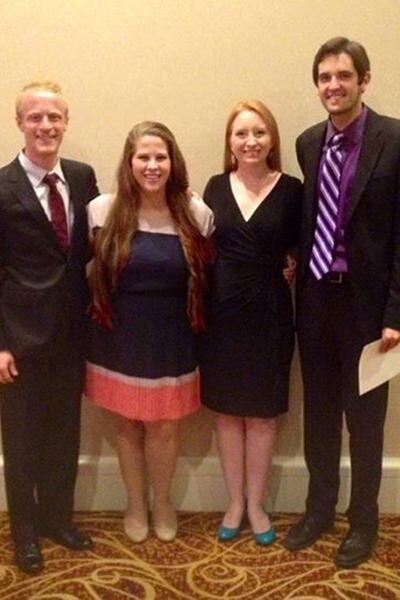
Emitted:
<point x="248" y="347"/>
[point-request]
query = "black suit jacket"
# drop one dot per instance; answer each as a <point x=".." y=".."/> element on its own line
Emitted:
<point x="372" y="220"/>
<point x="43" y="293"/>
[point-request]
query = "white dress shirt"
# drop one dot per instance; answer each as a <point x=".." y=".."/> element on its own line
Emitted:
<point x="35" y="175"/>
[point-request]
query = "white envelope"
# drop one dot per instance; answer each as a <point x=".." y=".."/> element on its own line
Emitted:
<point x="377" y="367"/>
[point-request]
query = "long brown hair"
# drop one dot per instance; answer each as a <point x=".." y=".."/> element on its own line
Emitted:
<point x="112" y="242"/>
<point x="274" y="156"/>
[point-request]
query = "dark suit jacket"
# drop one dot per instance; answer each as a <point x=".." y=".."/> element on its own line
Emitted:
<point x="43" y="292"/>
<point x="372" y="222"/>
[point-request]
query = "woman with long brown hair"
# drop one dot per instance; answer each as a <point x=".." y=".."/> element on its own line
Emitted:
<point x="148" y="280"/>
<point x="249" y="340"/>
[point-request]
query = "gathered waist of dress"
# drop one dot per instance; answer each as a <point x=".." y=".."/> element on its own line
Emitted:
<point x="235" y="285"/>
<point x="259" y="264"/>
<point x="247" y="272"/>
<point x="172" y="293"/>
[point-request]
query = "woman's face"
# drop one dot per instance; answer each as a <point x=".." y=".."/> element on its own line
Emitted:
<point x="151" y="164"/>
<point x="250" y="141"/>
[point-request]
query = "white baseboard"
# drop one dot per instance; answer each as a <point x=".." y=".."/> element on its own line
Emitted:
<point x="199" y="485"/>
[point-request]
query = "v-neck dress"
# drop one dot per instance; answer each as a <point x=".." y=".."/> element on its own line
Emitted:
<point x="146" y="367"/>
<point x="247" y="350"/>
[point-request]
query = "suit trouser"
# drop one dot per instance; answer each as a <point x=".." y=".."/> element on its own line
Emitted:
<point x="330" y="346"/>
<point x="40" y="418"/>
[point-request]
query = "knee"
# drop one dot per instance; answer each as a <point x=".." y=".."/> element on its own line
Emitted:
<point x="162" y="432"/>
<point x="229" y="422"/>
<point x="127" y="428"/>
<point x="262" y="426"/>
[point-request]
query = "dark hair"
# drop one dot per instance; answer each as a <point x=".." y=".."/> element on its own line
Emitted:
<point x="258" y="107"/>
<point x="337" y="45"/>
<point x="112" y="242"/>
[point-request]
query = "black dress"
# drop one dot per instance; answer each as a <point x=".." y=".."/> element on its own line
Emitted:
<point x="247" y="350"/>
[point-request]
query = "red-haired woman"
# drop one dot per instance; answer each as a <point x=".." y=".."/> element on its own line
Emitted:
<point x="249" y="341"/>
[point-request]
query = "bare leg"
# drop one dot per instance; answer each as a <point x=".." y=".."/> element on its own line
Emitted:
<point x="230" y="437"/>
<point x="260" y="440"/>
<point x="161" y="449"/>
<point x="130" y="447"/>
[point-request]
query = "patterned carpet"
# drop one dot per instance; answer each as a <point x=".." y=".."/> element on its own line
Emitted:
<point x="196" y="566"/>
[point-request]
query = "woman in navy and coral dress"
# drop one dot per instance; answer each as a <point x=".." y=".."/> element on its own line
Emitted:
<point x="248" y="345"/>
<point x="148" y="280"/>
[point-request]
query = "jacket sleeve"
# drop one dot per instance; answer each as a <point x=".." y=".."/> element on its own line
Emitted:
<point x="392" y="312"/>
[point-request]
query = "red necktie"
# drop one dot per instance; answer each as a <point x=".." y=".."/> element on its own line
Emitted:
<point x="57" y="210"/>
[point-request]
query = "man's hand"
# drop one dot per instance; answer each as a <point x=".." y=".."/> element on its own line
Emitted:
<point x="390" y="338"/>
<point x="8" y="369"/>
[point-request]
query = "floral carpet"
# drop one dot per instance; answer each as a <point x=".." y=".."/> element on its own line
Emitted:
<point x="197" y="566"/>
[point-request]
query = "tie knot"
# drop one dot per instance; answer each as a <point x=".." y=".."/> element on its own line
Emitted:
<point x="337" y="140"/>
<point x="50" y="179"/>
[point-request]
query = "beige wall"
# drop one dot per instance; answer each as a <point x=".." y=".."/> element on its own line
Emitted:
<point x="186" y="62"/>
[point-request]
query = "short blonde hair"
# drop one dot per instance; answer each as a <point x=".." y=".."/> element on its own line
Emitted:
<point x="40" y="86"/>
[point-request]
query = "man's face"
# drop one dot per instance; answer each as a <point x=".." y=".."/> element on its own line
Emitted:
<point x="338" y="87"/>
<point x="43" y="119"/>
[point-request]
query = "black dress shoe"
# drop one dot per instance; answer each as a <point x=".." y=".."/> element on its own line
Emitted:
<point x="356" y="548"/>
<point x="69" y="536"/>
<point x="306" y="532"/>
<point x="28" y="557"/>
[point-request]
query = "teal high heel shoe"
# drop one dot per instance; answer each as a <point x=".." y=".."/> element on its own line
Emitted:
<point x="266" y="537"/>
<point x="225" y="534"/>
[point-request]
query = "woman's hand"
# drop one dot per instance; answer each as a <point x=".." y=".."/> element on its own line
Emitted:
<point x="289" y="271"/>
<point x="8" y="369"/>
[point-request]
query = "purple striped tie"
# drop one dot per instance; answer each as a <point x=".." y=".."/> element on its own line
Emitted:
<point x="328" y="208"/>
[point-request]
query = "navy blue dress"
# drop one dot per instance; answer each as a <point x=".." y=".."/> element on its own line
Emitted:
<point x="146" y="367"/>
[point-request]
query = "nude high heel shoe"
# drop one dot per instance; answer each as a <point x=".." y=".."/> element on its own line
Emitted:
<point x="136" y="533"/>
<point x="165" y="526"/>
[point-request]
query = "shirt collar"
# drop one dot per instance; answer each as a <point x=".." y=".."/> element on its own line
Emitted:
<point x="37" y="173"/>
<point x="353" y="132"/>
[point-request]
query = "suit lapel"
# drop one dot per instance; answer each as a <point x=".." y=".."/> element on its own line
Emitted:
<point x="312" y="154"/>
<point x="371" y="148"/>
<point x="25" y="193"/>
<point x="26" y="196"/>
<point x="75" y="192"/>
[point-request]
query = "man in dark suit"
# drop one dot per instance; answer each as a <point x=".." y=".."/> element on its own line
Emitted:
<point x="43" y="298"/>
<point x="348" y="293"/>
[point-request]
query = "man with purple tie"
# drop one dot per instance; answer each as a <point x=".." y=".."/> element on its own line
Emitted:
<point x="348" y="293"/>
<point x="43" y="299"/>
